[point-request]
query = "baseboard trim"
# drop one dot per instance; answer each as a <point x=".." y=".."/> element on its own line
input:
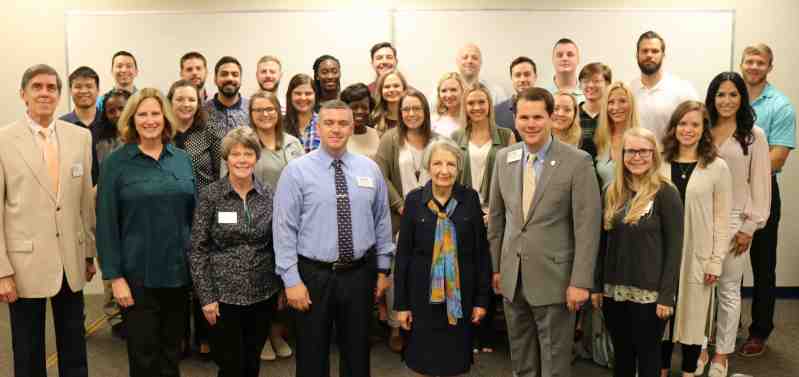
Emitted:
<point x="781" y="292"/>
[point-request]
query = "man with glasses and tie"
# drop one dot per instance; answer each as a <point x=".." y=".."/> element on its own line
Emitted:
<point x="47" y="221"/>
<point x="333" y="245"/>
<point x="543" y="230"/>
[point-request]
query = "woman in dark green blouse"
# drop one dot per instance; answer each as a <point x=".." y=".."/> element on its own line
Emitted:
<point x="145" y="204"/>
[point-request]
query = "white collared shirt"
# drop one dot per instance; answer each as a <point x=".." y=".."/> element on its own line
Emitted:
<point x="656" y="104"/>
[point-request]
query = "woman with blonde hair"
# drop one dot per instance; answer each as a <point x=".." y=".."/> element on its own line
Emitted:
<point x="450" y="113"/>
<point x="636" y="277"/>
<point x="617" y="114"/>
<point x="390" y="88"/>
<point x="705" y="185"/>
<point x="567" y="119"/>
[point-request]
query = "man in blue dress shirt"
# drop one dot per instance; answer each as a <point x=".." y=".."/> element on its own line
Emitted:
<point x="333" y="245"/>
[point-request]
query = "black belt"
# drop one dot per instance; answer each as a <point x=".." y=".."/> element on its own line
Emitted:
<point x="338" y="265"/>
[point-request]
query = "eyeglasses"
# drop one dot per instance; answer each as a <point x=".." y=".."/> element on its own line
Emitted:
<point x="412" y="109"/>
<point x="641" y="153"/>
<point x="268" y="110"/>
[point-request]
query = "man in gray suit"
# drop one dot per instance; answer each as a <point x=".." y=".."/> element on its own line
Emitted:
<point x="544" y="223"/>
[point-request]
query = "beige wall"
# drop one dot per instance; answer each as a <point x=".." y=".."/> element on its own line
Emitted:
<point x="33" y="32"/>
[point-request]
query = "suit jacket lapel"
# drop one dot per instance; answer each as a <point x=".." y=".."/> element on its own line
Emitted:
<point x="64" y="165"/>
<point x="550" y="164"/>
<point x="31" y="154"/>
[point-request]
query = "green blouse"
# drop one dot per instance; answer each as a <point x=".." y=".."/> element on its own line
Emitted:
<point x="144" y="215"/>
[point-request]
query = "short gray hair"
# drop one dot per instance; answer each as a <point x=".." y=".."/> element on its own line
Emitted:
<point x="442" y="143"/>
<point x="244" y="136"/>
<point x="40" y="69"/>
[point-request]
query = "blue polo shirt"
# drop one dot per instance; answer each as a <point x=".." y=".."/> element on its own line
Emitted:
<point x="776" y="116"/>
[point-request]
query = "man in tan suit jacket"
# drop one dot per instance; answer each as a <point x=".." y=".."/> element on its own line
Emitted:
<point x="46" y="242"/>
<point x="543" y="229"/>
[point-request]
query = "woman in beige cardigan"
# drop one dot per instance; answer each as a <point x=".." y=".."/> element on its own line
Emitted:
<point x="399" y="157"/>
<point x="691" y="162"/>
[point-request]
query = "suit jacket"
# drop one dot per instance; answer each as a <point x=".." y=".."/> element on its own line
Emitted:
<point x="45" y="235"/>
<point x="556" y="245"/>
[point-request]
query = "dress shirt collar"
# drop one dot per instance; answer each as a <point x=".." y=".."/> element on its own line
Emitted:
<point x="768" y="92"/>
<point x="133" y="150"/>
<point x="228" y="187"/>
<point x="542" y="153"/>
<point x="327" y="159"/>
<point x="221" y="107"/>
<point x="36" y="127"/>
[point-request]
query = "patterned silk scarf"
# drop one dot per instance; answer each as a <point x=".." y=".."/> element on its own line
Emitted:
<point x="445" y="280"/>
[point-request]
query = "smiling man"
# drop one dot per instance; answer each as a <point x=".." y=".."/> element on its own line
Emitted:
<point x="84" y="84"/>
<point x="565" y="59"/>
<point x="124" y="70"/>
<point x="335" y="275"/>
<point x="228" y="109"/>
<point x="657" y="93"/>
<point x="268" y="73"/>
<point x="543" y="231"/>
<point x="194" y="68"/>
<point x="384" y="59"/>
<point x="523" y="75"/>
<point x="47" y="220"/>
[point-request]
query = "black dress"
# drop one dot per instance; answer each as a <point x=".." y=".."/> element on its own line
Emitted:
<point x="433" y="346"/>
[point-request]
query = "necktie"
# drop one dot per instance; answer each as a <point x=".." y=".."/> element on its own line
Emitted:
<point x="343" y="215"/>
<point x="528" y="186"/>
<point x="50" y="158"/>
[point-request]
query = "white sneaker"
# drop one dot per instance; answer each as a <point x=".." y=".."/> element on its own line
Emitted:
<point x="268" y="354"/>
<point x="717" y="370"/>
<point x="282" y="349"/>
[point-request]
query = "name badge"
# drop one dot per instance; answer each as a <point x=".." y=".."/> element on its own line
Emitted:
<point x="77" y="170"/>
<point x="514" y="156"/>
<point x="227" y="217"/>
<point x="366" y="182"/>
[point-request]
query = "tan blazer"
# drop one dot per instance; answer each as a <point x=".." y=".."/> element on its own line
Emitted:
<point x="556" y="245"/>
<point x="708" y="202"/>
<point x="45" y="234"/>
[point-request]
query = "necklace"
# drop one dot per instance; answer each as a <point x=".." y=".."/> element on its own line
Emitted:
<point x="684" y="171"/>
<point x="417" y="167"/>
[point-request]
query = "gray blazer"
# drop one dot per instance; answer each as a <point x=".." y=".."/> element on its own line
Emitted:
<point x="556" y="245"/>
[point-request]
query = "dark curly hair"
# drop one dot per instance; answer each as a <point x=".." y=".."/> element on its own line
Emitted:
<point x="744" y="118"/>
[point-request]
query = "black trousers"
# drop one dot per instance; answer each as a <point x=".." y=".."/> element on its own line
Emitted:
<point x="238" y="337"/>
<point x="486" y="334"/>
<point x="763" y="256"/>
<point x="27" y="334"/>
<point x="636" y="332"/>
<point x="155" y="325"/>
<point x="343" y="299"/>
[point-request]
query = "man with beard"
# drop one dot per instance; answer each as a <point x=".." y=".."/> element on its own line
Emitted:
<point x="268" y="73"/>
<point x="384" y="59"/>
<point x="469" y="61"/>
<point x="124" y="69"/>
<point x="565" y="59"/>
<point x="194" y="68"/>
<point x="657" y="93"/>
<point x="84" y="85"/>
<point x="523" y="74"/>
<point x="327" y="78"/>
<point x="228" y="109"/>
<point x="777" y="117"/>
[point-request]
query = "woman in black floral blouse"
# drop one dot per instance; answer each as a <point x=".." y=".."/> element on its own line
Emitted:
<point x="232" y="258"/>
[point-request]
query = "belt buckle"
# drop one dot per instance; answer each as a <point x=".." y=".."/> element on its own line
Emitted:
<point x="338" y="266"/>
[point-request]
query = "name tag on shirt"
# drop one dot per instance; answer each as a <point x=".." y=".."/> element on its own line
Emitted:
<point x="77" y="170"/>
<point x="366" y="182"/>
<point x="227" y="217"/>
<point x="514" y="156"/>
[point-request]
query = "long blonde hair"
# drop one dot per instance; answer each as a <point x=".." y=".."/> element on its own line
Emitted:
<point x="574" y="133"/>
<point x="603" y="136"/>
<point x="620" y="192"/>
<point x="479" y="87"/>
<point x="441" y="108"/>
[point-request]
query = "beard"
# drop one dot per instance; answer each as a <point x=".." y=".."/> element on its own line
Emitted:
<point x="274" y="86"/>
<point x="229" y="90"/>
<point x="649" y="69"/>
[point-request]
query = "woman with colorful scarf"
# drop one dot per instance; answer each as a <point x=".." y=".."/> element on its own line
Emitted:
<point x="443" y="267"/>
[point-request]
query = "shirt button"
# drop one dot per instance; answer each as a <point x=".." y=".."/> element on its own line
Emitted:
<point x="57" y="209"/>
<point x="58" y="234"/>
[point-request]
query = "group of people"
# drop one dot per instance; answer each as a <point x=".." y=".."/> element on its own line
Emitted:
<point x="637" y="200"/>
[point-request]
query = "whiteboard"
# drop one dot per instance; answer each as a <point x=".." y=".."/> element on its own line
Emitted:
<point x="159" y="39"/>
<point x="699" y="44"/>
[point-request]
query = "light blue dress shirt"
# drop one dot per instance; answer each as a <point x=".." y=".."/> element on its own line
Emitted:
<point x="538" y="165"/>
<point x="776" y="116"/>
<point x="305" y="222"/>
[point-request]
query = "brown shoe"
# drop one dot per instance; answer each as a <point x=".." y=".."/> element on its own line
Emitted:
<point x="753" y="347"/>
<point x="395" y="342"/>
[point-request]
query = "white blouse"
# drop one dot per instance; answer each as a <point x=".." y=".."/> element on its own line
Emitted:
<point x="478" y="155"/>
<point x="410" y="164"/>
